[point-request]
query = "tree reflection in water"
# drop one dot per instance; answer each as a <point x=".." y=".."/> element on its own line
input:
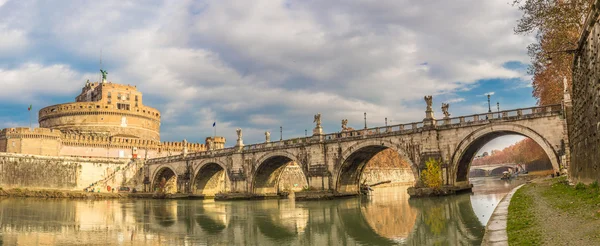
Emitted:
<point x="389" y="214"/>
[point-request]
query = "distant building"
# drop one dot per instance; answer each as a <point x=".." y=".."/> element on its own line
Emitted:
<point x="106" y="120"/>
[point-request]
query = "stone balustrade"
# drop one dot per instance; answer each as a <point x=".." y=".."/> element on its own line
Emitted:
<point x="400" y="129"/>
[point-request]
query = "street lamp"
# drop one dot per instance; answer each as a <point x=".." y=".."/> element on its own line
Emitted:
<point x="280" y="133"/>
<point x="498" y="106"/>
<point x="365" y="120"/>
<point x="385" y="121"/>
<point x="489" y="107"/>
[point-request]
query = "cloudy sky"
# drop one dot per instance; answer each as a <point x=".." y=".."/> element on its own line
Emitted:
<point x="262" y="64"/>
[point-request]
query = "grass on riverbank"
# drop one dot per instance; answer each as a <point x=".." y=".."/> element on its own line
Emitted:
<point x="540" y="213"/>
<point x="521" y="223"/>
<point x="580" y="199"/>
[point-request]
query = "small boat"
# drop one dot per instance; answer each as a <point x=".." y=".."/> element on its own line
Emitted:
<point x="506" y="175"/>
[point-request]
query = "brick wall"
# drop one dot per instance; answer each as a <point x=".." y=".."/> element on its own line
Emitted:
<point x="584" y="119"/>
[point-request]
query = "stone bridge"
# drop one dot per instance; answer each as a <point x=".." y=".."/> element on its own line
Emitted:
<point x="494" y="169"/>
<point x="334" y="162"/>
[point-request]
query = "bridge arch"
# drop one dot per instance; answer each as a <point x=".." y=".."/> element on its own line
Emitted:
<point x="468" y="147"/>
<point x="353" y="160"/>
<point x="210" y="177"/>
<point x="170" y="179"/>
<point x="477" y="172"/>
<point x="499" y="170"/>
<point x="268" y="171"/>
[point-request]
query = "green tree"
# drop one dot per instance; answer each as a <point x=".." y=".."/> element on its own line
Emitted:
<point x="432" y="176"/>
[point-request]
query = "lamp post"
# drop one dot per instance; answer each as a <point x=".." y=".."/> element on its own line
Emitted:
<point x="489" y="107"/>
<point x="498" y="107"/>
<point x="385" y="121"/>
<point x="280" y="133"/>
<point x="305" y="132"/>
<point x="365" y="120"/>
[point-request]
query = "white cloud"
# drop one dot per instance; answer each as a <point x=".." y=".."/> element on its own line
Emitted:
<point x="261" y="64"/>
<point x="12" y="41"/>
<point x="455" y="100"/>
<point x="28" y="81"/>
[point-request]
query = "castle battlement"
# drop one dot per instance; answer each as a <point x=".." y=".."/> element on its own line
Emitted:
<point x="106" y="120"/>
<point x="29" y="132"/>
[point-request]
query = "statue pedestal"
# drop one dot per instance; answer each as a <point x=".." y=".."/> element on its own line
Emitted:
<point x="429" y="120"/>
<point x="240" y="143"/>
<point x="318" y="131"/>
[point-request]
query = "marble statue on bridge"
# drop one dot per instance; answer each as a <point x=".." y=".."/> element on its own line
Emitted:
<point x="318" y="129"/>
<point x="345" y="127"/>
<point x="318" y="119"/>
<point x="429" y="112"/>
<point x="428" y="100"/>
<point x="267" y="137"/>
<point x="240" y="142"/>
<point x="445" y="107"/>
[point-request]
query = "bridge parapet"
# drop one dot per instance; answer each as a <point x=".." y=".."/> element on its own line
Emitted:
<point x="375" y="132"/>
<point x="501" y="116"/>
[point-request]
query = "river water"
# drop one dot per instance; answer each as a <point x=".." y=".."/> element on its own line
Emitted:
<point x="387" y="217"/>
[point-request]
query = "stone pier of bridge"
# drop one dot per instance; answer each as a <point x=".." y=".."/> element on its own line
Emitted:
<point x="334" y="162"/>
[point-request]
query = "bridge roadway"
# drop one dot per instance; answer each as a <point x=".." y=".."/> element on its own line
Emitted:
<point x="334" y="162"/>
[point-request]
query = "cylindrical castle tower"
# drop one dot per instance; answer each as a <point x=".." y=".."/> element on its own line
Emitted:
<point x="107" y="109"/>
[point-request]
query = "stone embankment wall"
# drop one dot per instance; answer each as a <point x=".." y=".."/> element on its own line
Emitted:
<point x="28" y="171"/>
<point x="396" y="175"/>
<point x="584" y="121"/>
<point x="387" y="165"/>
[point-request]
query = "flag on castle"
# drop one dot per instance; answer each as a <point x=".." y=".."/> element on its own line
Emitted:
<point x="214" y="124"/>
<point x="29" y="109"/>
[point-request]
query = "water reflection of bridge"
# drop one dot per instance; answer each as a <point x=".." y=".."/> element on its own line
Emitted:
<point x="383" y="220"/>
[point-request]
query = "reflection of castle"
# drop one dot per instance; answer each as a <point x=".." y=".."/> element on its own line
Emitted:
<point x="106" y="120"/>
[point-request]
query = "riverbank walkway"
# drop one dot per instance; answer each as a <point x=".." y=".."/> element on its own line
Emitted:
<point x="495" y="230"/>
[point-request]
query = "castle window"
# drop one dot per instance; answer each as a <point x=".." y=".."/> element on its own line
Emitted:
<point x="119" y="96"/>
<point x="108" y="101"/>
<point x="123" y="106"/>
<point x="136" y="105"/>
<point x="136" y="98"/>
<point x="108" y="95"/>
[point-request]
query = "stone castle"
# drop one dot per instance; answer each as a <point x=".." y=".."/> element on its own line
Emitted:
<point x="107" y="120"/>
